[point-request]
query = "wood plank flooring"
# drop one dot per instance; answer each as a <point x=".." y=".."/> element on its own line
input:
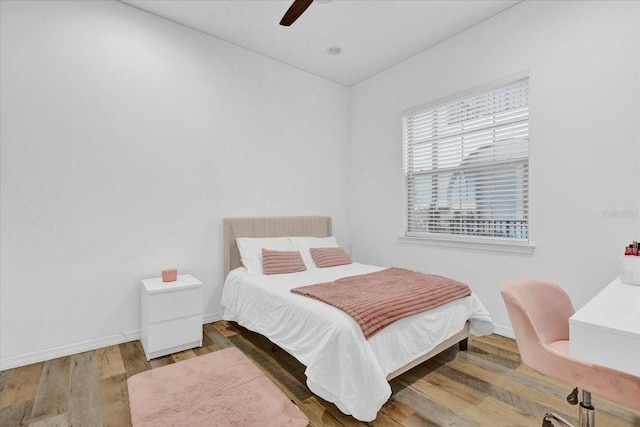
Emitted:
<point x="485" y="386"/>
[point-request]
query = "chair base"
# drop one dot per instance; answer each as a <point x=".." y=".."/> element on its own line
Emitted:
<point x="586" y="414"/>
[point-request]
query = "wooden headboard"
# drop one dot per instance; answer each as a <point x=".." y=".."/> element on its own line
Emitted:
<point x="270" y="226"/>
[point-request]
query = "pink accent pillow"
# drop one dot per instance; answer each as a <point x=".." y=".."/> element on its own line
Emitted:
<point x="330" y="257"/>
<point x="281" y="262"/>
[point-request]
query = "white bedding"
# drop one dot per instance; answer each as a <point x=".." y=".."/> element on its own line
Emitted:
<point x="342" y="366"/>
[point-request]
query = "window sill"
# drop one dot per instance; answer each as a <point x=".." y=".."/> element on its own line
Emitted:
<point x="479" y="244"/>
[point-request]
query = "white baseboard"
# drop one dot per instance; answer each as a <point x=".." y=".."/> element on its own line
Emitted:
<point x="93" y="344"/>
<point x="504" y="331"/>
<point x="67" y="350"/>
<point x="211" y="317"/>
<point x="79" y="347"/>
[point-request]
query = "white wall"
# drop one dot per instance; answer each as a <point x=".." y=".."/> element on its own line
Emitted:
<point x="583" y="64"/>
<point x="125" y="139"/>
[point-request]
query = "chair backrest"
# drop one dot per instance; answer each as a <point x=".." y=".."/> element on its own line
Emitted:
<point x="539" y="312"/>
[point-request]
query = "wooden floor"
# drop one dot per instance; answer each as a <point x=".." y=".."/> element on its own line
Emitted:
<point x="485" y="386"/>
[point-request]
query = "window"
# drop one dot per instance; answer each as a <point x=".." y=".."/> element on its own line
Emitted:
<point x="466" y="164"/>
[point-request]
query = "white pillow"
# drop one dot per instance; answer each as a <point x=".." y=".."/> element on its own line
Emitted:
<point x="250" y="249"/>
<point x="304" y="244"/>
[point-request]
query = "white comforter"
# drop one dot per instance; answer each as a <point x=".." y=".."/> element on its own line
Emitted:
<point x="342" y="366"/>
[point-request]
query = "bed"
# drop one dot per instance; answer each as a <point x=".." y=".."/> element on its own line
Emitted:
<point x="342" y="366"/>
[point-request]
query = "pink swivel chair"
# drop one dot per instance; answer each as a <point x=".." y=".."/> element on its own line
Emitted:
<point x="539" y="312"/>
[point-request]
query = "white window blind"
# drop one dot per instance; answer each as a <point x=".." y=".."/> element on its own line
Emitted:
<point x="467" y="166"/>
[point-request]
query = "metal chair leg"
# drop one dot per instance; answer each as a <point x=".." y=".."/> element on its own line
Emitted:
<point x="546" y="421"/>
<point x="587" y="416"/>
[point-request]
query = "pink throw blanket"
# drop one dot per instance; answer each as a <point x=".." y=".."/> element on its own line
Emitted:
<point x="376" y="300"/>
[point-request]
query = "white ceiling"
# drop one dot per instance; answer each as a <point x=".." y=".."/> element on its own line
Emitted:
<point x="373" y="34"/>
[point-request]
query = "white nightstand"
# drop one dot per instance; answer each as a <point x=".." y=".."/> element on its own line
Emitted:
<point x="171" y="315"/>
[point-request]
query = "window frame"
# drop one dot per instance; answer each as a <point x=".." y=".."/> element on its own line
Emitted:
<point x="470" y="241"/>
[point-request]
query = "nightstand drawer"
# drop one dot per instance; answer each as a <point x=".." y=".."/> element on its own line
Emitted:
<point x="175" y="332"/>
<point x="171" y="305"/>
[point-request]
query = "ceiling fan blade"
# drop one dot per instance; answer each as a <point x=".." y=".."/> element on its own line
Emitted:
<point x="294" y="12"/>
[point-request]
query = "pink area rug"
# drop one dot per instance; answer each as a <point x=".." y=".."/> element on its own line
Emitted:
<point x="222" y="388"/>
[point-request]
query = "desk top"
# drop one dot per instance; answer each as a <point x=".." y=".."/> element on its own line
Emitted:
<point x="615" y="309"/>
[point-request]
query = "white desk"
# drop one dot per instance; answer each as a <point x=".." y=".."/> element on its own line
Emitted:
<point x="606" y="331"/>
